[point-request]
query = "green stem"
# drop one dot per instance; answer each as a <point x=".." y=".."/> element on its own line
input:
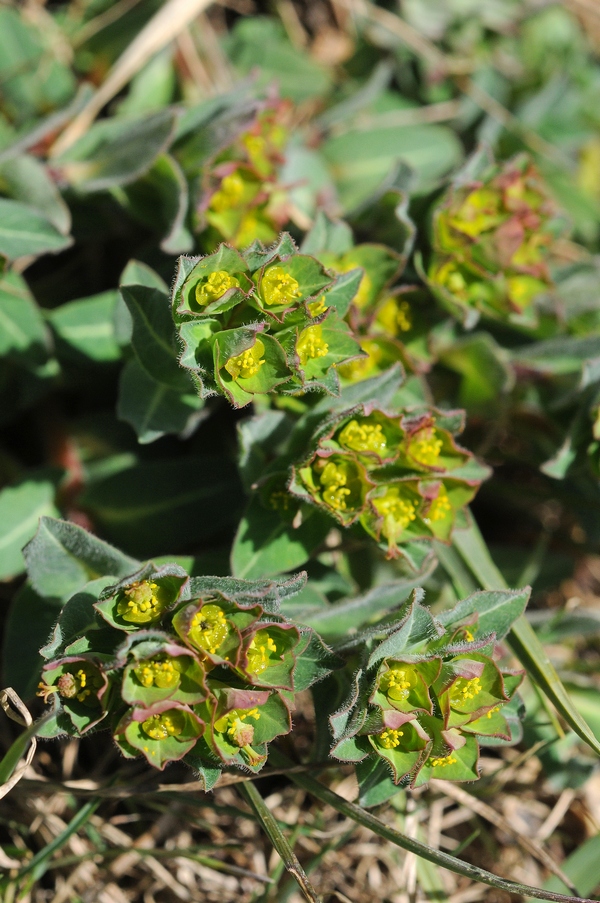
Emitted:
<point x="445" y="860"/>
<point x="277" y="838"/>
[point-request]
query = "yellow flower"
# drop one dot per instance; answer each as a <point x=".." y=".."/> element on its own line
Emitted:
<point x="440" y="507"/>
<point x="310" y="344"/>
<point x="229" y="194"/>
<point x="390" y="738"/>
<point x="363" y="437"/>
<point x="209" y="628"/>
<point x="141" y="603"/>
<point x="214" y="286"/>
<point x="163" y="673"/>
<point x="278" y="287"/>
<point x="168" y="724"/>
<point x="248" y="363"/>
<point x="260" y="652"/>
<point x="424" y="447"/>
<point x="465" y="689"/>
<point x="442" y="761"/>
<point x="397" y="682"/>
<point x="397" y="513"/>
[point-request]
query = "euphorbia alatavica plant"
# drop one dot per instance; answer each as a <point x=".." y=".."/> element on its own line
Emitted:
<point x="204" y="670"/>
<point x="494" y="236"/>
<point x="265" y="320"/>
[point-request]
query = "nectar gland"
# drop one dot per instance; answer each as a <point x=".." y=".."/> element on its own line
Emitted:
<point x="440" y="507"/>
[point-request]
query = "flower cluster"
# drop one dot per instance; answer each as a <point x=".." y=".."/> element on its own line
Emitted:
<point x="182" y="671"/>
<point x="426" y="708"/>
<point x="493" y="240"/>
<point x="242" y="199"/>
<point x="401" y="477"/>
<point x="263" y="320"/>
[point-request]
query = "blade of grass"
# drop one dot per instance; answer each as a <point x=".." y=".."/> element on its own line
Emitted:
<point x="275" y="835"/>
<point x="522" y="638"/>
<point x="41" y="861"/>
<point x="370" y="821"/>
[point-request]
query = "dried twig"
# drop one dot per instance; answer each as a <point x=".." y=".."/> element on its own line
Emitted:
<point x="163" y="28"/>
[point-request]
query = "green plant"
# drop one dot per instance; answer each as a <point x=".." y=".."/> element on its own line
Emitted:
<point x="274" y="360"/>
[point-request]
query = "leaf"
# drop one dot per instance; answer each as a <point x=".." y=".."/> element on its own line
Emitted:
<point x="265" y="544"/>
<point x="497" y="610"/>
<point x="152" y="408"/>
<point x="24" y="232"/>
<point x="268" y="593"/>
<point x="23" y="332"/>
<point x="314" y="662"/>
<point x="554" y="357"/>
<point x="260" y="43"/>
<point x="87" y="327"/>
<point x="28" y="625"/>
<point x="21" y="507"/>
<point x="25" y="179"/>
<point x="78" y="618"/>
<point x="117" y="151"/>
<point x="484" y="367"/>
<point x="147" y="506"/>
<point x="159" y="200"/>
<point x="361" y="159"/>
<point x="154" y="335"/>
<point x="375" y="785"/>
<point x="347" y="615"/>
<point x="62" y="557"/>
<point x="418" y="627"/>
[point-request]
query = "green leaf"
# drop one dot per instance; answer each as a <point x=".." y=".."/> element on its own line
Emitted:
<point x="497" y="611"/>
<point x="159" y="200"/>
<point x="265" y="544"/>
<point x="77" y="618"/>
<point x="314" y="661"/>
<point x="21" y="507"/>
<point x="360" y="159"/>
<point x="25" y="179"/>
<point x="87" y="327"/>
<point x="347" y="615"/>
<point x="117" y="151"/>
<point x="374" y="782"/>
<point x="62" y="557"/>
<point x="154" y="335"/>
<point x="23" y="332"/>
<point x="268" y="593"/>
<point x="152" y="505"/>
<point x="484" y="367"/>
<point x="24" y="232"/>
<point x="151" y="407"/>
<point x="260" y="43"/>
